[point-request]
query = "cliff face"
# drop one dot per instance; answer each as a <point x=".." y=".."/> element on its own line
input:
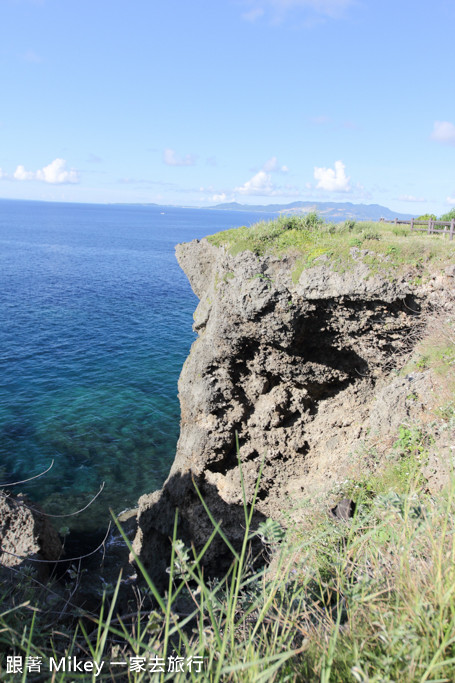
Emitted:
<point x="292" y="369"/>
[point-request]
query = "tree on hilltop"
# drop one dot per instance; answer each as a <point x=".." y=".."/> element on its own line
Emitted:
<point x="448" y="216"/>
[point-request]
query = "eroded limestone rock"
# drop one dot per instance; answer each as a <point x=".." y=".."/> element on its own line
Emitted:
<point x="291" y="369"/>
<point x="25" y="532"/>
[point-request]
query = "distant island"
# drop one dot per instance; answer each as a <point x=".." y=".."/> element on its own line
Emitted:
<point x="332" y="211"/>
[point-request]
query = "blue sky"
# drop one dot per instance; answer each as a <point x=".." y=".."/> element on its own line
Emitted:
<point x="257" y="101"/>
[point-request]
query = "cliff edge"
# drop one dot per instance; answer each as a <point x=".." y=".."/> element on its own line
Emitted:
<point x="298" y="370"/>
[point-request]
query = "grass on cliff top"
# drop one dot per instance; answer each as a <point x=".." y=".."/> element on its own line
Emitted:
<point x="386" y="248"/>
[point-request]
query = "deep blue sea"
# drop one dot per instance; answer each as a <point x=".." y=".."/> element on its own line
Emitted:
<point x="96" y="322"/>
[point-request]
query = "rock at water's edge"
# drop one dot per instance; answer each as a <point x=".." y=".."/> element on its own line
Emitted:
<point x="25" y="532"/>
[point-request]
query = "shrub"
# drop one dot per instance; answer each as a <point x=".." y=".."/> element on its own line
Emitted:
<point x="428" y="217"/>
<point x="306" y="222"/>
<point x="448" y="216"/>
<point x="371" y="235"/>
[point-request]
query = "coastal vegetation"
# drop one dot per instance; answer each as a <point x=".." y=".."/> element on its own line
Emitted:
<point x="365" y="596"/>
<point x="445" y="216"/>
<point x="385" y="247"/>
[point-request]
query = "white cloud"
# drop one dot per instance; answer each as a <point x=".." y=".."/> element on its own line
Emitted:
<point x="170" y="158"/>
<point x="219" y="197"/>
<point x="410" y="198"/>
<point x="444" y="132"/>
<point x="3" y="174"/>
<point x="32" y="57"/>
<point x="332" y="179"/>
<point x="272" y="166"/>
<point x="21" y="174"/>
<point x="328" y="8"/>
<point x="54" y="173"/>
<point x="57" y="174"/>
<point x="450" y="200"/>
<point x="94" y="159"/>
<point x="253" y="14"/>
<point x="259" y="184"/>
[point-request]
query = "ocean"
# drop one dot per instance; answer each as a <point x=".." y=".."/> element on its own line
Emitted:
<point x="96" y="322"/>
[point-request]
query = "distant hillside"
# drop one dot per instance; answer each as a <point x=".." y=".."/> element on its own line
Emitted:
<point x="331" y="211"/>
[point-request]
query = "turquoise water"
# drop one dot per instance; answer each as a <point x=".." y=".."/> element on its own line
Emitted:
<point x="96" y="324"/>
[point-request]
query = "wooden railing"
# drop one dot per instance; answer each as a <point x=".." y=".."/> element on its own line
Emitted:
<point x="429" y="226"/>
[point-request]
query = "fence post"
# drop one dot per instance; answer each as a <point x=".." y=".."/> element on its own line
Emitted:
<point x="452" y="223"/>
<point x="429" y="226"/>
<point x="412" y="224"/>
<point x="396" y="219"/>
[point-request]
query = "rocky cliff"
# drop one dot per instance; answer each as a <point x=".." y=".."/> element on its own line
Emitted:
<point x="294" y="369"/>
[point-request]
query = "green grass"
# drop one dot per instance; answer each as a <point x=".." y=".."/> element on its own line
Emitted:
<point x="436" y="353"/>
<point x="390" y="249"/>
